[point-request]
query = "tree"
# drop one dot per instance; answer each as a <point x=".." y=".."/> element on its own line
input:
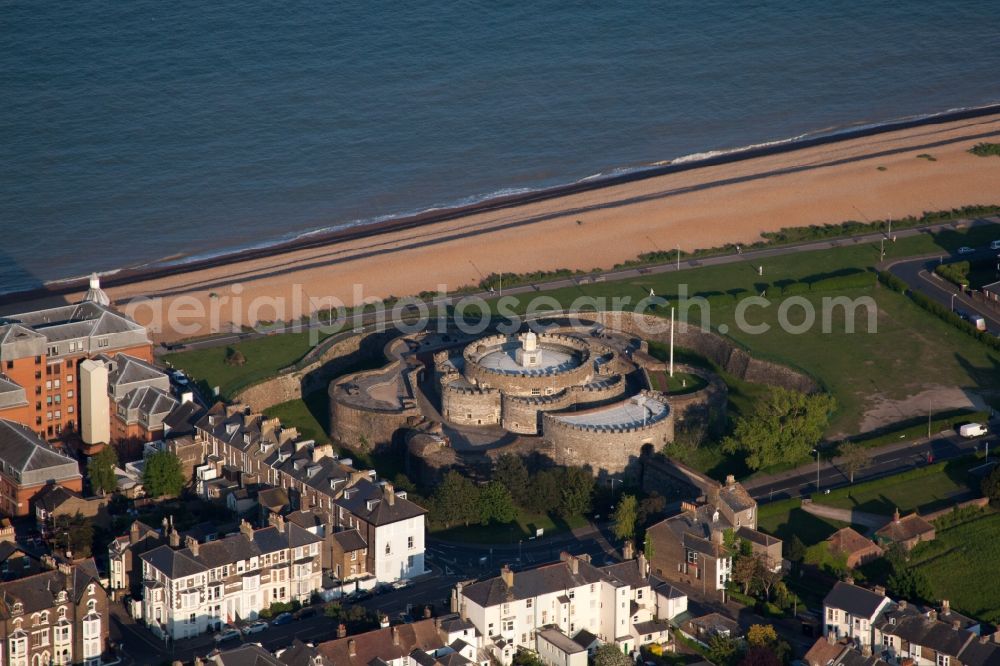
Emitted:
<point x="768" y="578"/>
<point x="746" y="569"/>
<point x="609" y="655"/>
<point x="784" y="428"/>
<point x="991" y="485"/>
<point x="526" y="658"/>
<point x="511" y="472"/>
<point x="577" y="492"/>
<point x="647" y="548"/>
<point x="796" y="550"/>
<point x="760" y="656"/>
<point x="544" y="495"/>
<point x="722" y="650"/>
<point x="495" y="504"/>
<point x="163" y="474"/>
<point x="626" y="514"/>
<point x="101" y="470"/>
<point x="235" y="357"/>
<point x="73" y="534"/>
<point x="456" y="500"/>
<point x="856" y="458"/>
<point x="761" y="635"/>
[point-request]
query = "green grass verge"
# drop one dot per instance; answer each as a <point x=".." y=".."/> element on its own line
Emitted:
<point x="264" y="358"/>
<point x="786" y="518"/>
<point x="305" y="415"/>
<point x="925" y="489"/>
<point x="523" y="528"/>
<point x="961" y="565"/>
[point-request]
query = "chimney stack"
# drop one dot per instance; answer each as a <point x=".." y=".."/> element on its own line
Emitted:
<point x="390" y="493"/>
<point x="246" y="529"/>
<point x="352" y="648"/>
<point x="849" y="580"/>
<point x="278" y="521"/>
<point x="507" y="575"/>
<point x="175" y="538"/>
<point x="643" y="565"/>
<point x="932" y="615"/>
<point x="879" y="590"/>
<point x="730" y="480"/>
<point x="831" y="637"/>
<point x="895" y="515"/>
<point x="574" y="565"/>
<point x="956" y="625"/>
<point x="628" y="550"/>
<point x="945" y="607"/>
<point x="902" y="604"/>
<point x="192" y="544"/>
<point x="341" y="630"/>
<point x="395" y="635"/>
<point x="133" y="533"/>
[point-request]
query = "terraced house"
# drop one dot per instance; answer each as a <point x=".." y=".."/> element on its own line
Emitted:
<point x="55" y="617"/>
<point x="197" y="588"/>
<point x="262" y="453"/>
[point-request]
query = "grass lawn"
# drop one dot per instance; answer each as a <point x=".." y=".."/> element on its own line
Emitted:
<point x="910" y="352"/>
<point x="523" y="527"/>
<point x="679" y="384"/>
<point x="264" y="357"/>
<point x="305" y="415"/>
<point x="961" y="566"/>
<point x="925" y="489"/>
<point x="786" y="518"/>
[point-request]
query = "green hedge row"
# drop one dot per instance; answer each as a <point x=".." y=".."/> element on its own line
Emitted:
<point x="957" y="273"/>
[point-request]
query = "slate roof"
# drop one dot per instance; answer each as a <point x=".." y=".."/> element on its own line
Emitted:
<point x="182" y="418"/>
<point x="856" y="601"/>
<point x="627" y="573"/>
<point x="183" y="562"/>
<point x="651" y="626"/>
<point x="39" y="592"/>
<point x="584" y="638"/>
<point x="350" y="540"/>
<point x="694" y="529"/>
<point x="132" y="370"/>
<point x="824" y="653"/>
<point x="68" y="322"/>
<point x="716" y="623"/>
<point x="757" y="537"/>
<point x="381" y="511"/>
<point x="273" y="498"/>
<point x="245" y="655"/>
<point x="24" y="451"/>
<point x="561" y="640"/>
<point x="545" y="579"/>
<point x="919" y="629"/>
<point x="149" y="401"/>
<point x="980" y="652"/>
<point x="11" y="393"/>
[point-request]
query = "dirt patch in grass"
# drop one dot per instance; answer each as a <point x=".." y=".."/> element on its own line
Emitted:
<point x="884" y="411"/>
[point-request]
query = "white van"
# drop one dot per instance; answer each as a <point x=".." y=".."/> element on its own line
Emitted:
<point x="978" y="322"/>
<point x="972" y="430"/>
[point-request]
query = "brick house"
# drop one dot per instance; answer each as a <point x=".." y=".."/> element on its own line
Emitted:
<point x="856" y="548"/>
<point x="907" y="531"/>
<point x="28" y="465"/>
<point x="54" y="501"/>
<point x="41" y="353"/>
<point x="55" y="617"/>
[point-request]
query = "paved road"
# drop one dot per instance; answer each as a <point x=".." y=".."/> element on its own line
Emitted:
<point x="919" y="275"/>
<point x="887" y="460"/>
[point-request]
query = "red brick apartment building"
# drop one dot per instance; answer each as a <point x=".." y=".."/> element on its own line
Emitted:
<point x="40" y="355"/>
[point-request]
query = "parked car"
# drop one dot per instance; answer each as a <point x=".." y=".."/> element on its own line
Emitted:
<point x="255" y="627"/>
<point x="284" y="618"/>
<point x="965" y="250"/>
<point x="308" y="611"/>
<point x="400" y="584"/>
<point x="404" y="618"/>
<point x="228" y="633"/>
<point x="361" y="595"/>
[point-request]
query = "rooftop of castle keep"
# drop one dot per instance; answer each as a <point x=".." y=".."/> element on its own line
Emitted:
<point x="550" y="359"/>
<point x="635" y="412"/>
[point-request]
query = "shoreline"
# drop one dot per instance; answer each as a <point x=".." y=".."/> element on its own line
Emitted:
<point x="319" y="239"/>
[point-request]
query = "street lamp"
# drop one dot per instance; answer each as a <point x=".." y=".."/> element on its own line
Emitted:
<point x="953" y="301"/>
<point x="816" y="451"/>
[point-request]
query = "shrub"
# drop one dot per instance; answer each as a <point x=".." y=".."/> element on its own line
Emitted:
<point x="985" y="149"/>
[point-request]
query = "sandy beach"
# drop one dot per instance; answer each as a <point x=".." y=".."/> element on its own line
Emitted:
<point x="699" y="208"/>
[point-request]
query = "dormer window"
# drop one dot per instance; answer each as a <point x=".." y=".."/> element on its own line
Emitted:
<point x="17" y="608"/>
<point x="91" y="588"/>
<point x="61" y="597"/>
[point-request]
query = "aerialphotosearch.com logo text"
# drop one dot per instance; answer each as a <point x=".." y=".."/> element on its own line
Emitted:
<point x="320" y="316"/>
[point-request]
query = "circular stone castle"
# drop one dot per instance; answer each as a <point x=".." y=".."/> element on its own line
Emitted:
<point x="573" y="390"/>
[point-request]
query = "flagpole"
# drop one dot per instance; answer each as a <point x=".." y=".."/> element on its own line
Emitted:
<point x="671" y="341"/>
